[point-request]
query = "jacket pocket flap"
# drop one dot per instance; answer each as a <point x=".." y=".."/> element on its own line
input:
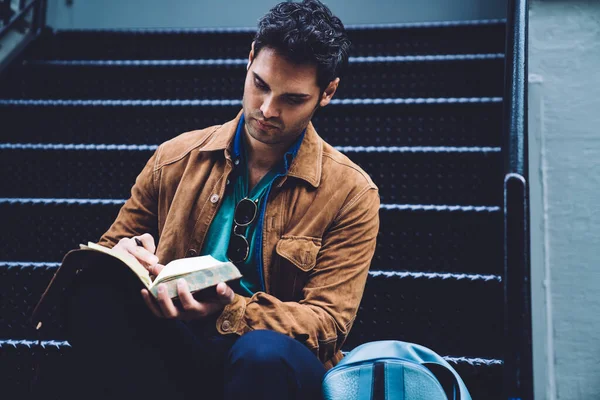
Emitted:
<point x="299" y="250"/>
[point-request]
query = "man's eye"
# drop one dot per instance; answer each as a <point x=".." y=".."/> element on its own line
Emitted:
<point x="293" y="101"/>
<point x="260" y="85"/>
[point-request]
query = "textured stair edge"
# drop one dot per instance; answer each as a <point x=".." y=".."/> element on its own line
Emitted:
<point x="26" y="343"/>
<point x="29" y="264"/>
<point x="234" y="102"/>
<point x="373" y="273"/>
<point x="243" y="61"/>
<point x="397" y="207"/>
<point x="343" y="149"/>
<point x="30" y="344"/>
<point x="351" y="27"/>
<point x="432" y="275"/>
<point x="53" y="201"/>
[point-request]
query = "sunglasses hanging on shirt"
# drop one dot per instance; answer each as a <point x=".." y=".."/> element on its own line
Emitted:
<point x="244" y="214"/>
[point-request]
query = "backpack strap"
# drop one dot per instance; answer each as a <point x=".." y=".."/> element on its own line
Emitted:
<point x="452" y="383"/>
<point x="447" y="379"/>
<point x="365" y="382"/>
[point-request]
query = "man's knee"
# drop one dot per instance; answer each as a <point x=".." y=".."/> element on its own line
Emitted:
<point x="261" y="349"/>
<point x="270" y="365"/>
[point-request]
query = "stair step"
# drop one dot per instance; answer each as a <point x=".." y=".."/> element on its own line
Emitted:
<point x="461" y="38"/>
<point x="432" y="124"/>
<point x="395" y="308"/>
<point x="22" y="288"/>
<point x="434" y="313"/>
<point x="461" y="242"/>
<point x="422" y="240"/>
<point x="402" y="177"/>
<point x="456" y="78"/>
<point x="17" y="366"/>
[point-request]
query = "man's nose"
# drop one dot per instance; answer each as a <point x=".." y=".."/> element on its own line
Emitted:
<point x="268" y="108"/>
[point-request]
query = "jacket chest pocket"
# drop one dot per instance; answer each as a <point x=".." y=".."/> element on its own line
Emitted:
<point x="298" y="256"/>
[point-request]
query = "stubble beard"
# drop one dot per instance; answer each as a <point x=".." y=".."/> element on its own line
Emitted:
<point x="281" y="135"/>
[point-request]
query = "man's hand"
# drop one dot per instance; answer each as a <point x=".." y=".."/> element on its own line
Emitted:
<point x="191" y="309"/>
<point x="145" y="255"/>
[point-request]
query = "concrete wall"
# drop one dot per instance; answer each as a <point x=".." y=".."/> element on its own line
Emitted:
<point x="564" y="67"/>
<point x="100" y="14"/>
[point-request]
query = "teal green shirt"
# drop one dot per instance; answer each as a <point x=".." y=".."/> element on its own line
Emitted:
<point x="217" y="237"/>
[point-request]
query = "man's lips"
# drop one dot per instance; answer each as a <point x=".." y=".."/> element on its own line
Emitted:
<point x="265" y="126"/>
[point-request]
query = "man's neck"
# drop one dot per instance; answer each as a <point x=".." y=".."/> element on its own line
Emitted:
<point x="261" y="156"/>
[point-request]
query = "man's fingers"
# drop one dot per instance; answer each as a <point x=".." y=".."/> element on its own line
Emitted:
<point x="188" y="302"/>
<point x="148" y="300"/>
<point x="225" y="293"/>
<point x="148" y="242"/>
<point x="166" y="303"/>
<point x="144" y="255"/>
<point x="155" y="269"/>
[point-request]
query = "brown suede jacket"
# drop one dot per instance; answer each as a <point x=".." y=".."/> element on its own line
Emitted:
<point x="319" y="232"/>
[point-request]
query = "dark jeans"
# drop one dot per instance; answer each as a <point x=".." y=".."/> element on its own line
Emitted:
<point x="121" y="350"/>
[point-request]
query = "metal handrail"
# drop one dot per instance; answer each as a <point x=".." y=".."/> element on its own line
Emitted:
<point x="20" y="15"/>
<point x="518" y="358"/>
<point x="37" y="10"/>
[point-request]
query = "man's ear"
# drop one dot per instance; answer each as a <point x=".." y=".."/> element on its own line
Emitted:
<point x="250" y="57"/>
<point x="329" y="92"/>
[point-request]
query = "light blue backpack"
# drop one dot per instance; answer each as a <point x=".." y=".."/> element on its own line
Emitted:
<point x="393" y="370"/>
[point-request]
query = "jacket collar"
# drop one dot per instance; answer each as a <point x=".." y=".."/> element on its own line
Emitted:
<point x="222" y="137"/>
<point x="307" y="164"/>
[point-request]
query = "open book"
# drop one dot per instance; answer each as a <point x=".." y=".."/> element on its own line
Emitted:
<point x="199" y="272"/>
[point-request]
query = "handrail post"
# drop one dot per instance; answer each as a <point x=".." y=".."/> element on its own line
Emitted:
<point x="40" y="16"/>
<point x="518" y="358"/>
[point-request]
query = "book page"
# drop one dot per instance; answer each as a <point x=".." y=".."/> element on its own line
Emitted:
<point x="127" y="258"/>
<point x="184" y="266"/>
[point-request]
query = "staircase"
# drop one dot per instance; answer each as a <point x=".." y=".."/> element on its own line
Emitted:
<point x="420" y="110"/>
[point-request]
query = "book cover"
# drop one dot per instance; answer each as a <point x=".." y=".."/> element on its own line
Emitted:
<point x="202" y="272"/>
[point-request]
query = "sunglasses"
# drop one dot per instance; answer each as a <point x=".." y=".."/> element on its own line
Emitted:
<point x="244" y="214"/>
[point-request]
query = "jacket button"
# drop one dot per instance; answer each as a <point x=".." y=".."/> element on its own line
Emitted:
<point x="237" y="162"/>
<point x="214" y="198"/>
<point x="226" y="326"/>
<point x="192" y="253"/>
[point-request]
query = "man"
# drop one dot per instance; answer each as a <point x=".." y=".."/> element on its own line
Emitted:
<point x="297" y="217"/>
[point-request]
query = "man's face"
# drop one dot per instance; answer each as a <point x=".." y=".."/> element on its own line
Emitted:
<point x="280" y="97"/>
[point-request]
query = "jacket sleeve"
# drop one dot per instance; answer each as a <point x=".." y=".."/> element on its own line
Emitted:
<point x="139" y="214"/>
<point x="331" y="297"/>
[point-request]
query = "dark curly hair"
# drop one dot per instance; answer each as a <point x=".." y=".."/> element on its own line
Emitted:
<point x="306" y="33"/>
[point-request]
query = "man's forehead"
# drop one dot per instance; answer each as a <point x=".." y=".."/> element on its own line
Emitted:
<point x="269" y="65"/>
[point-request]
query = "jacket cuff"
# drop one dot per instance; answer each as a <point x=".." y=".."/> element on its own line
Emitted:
<point x="231" y="319"/>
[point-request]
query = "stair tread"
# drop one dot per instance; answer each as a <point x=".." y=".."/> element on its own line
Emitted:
<point x="406" y="178"/>
<point x="462" y="242"/>
<point x="149" y="44"/>
<point x="460" y="124"/>
<point x="458" y="78"/>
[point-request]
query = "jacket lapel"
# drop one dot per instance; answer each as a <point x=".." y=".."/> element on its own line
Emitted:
<point x="307" y="164"/>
